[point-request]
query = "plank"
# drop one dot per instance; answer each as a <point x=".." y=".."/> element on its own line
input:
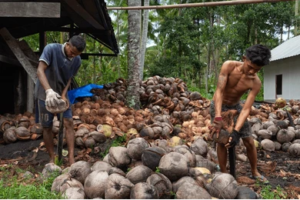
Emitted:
<point x="30" y="9"/>
<point x="12" y="43"/>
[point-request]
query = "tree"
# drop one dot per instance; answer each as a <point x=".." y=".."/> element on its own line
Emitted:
<point x="134" y="31"/>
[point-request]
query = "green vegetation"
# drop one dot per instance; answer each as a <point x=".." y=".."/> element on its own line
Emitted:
<point x="157" y="170"/>
<point x="117" y="142"/>
<point x="267" y="192"/>
<point x="12" y="188"/>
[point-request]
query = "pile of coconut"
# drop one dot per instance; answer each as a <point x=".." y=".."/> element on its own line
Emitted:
<point x="143" y="170"/>
<point x="19" y="127"/>
<point x="277" y="126"/>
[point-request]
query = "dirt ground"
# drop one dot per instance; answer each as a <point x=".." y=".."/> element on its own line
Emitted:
<point x="278" y="167"/>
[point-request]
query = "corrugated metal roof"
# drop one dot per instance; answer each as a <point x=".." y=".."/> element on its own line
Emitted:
<point x="287" y="49"/>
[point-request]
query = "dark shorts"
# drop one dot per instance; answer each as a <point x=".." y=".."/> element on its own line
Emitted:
<point x="43" y="116"/>
<point x="245" y="130"/>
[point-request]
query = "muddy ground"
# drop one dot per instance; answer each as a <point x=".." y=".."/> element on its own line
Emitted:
<point x="278" y="167"/>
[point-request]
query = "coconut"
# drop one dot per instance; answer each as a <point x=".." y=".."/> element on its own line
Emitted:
<point x="223" y="137"/>
<point x="285" y="135"/>
<point x="101" y="166"/>
<point x="58" y="182"/>
<point x="265" y="134"/>
<point x="105" y="129"/>
<point x="162" y="184"/>
<point x="296" y="141"/>
<point x="285" y="146"/>
<point x="89" y="142"/>
<point x="139" y="174"/>
<point x="70" y="182"/>
<point x="199" y="146"/>
<point x="81" y="132"/>
<point x="223" y="186"/>
<point x="268" y="145"/>
<point x="280" y="102"/>
<point x="192" y="191"/>
<point x="246" y="193"/>
<point x="174" y="141"/>
<point x="22" y="133"/>
<point x="273" y="129"/>
<point x="255" y="128"/>
<point x="188" y="154"/>
<point x="181" y="181"/>
<point x="97" y="136"/>
<point x="115" y="170"/>
<point x="294" y="150"/>
<point x="80" y="170"/>
<point x="50" y="169"/>
<point x="173" y="165"/>
<point x="266" y="124"/>
<point x="74" y="193"/>
<point x="277" y="145"/>
<point x="151" y="157"/>
<point x="117" y="187"/>
<point x="10" y="135"/>
<point x="94" y="184"/>
<point x="144" y="191"/>
<point x="135" y="148"/>
<point x="203" y="162"/>
<point x="118" y="157"/>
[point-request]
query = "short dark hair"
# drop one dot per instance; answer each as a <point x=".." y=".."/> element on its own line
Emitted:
<point x="258" y="54"/>
<point x="78" y="42"/>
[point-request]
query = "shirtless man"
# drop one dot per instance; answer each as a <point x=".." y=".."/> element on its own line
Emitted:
<point x="234" y="80"/>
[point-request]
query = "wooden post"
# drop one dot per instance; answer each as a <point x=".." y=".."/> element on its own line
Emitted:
<point x="30" y="96"/>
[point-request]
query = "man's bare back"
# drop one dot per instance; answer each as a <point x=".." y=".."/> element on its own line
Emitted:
<point x="238" y="82"/>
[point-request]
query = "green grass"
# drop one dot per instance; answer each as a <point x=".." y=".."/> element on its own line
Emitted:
<point x="119" y="141"/>
<point x="12" y="188"/>
<point x="267" y="192"/>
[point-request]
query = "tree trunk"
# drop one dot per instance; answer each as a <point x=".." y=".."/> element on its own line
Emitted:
<point x="134" y="32"/>
<point x="144" y="38"/>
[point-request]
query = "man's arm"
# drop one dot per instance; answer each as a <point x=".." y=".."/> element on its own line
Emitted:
<point x="42" y="76"/>
<point x="222" y="81"/>
<point x="247" y="106"/>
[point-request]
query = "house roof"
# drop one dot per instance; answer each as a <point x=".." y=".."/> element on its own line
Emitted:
<point x="77" y="16"/>
<point x="287" y="49"/>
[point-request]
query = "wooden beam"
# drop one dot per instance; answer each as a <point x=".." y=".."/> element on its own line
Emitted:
<point x="193" y="5"/>
<point x="74" y="5"/>
<point x="14" y="46"/>
<point x="30" y="9"/>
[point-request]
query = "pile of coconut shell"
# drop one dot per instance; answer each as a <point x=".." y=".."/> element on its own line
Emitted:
<point x="19" y="127"/>
<point x="277" y="126"/>
<point x="143" y="170"/>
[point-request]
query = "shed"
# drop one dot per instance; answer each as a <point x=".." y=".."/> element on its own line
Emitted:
<point x="22" y="18"/>
<point x="282" y="75"/>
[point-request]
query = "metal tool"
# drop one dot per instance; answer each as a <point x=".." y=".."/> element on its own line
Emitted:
<point x="60" y="137"/>
<point x="232" y="161"/>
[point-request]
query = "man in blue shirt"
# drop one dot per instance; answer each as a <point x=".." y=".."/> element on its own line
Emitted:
<point x="57" y="65"/>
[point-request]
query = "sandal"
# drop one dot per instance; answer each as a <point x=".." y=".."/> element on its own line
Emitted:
<point x="261" y="179"/>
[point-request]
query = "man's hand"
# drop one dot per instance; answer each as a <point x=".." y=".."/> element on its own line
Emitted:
<point x="216" y="126"/>
<point x="52" y="98"/>
<point x="233" y="139"/>
<point x="55" y="103"/>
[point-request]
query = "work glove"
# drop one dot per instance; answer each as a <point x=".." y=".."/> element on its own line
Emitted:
<point x="54" y="102"/>
<point x="235" y="138"/>
<point x="52" y="98"/>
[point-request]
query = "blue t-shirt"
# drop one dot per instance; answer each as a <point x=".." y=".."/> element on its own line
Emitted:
<point x="60" y="69"/>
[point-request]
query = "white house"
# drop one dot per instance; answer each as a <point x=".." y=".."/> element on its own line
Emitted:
<point x="282" y="75"/>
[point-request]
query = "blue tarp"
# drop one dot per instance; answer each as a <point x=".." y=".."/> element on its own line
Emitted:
<point x="83" y="91"/>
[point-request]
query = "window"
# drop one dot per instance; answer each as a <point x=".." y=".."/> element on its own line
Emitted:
<point x="279" y="84"/>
